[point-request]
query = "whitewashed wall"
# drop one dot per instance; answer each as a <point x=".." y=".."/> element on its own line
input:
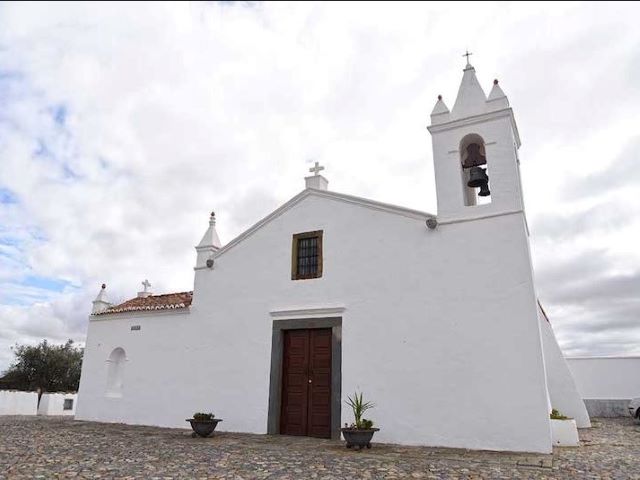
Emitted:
<point x="440" y="330"/>
<point x="53" y="404"/>
<point x="606" y="377"/>
<point x="563" y="393"/>
<point x="13" y="402"/>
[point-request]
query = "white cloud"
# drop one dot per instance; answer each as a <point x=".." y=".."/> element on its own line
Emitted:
<point x="166" y="111"/>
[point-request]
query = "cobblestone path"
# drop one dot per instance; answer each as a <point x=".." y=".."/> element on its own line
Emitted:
<point x="55" y="447"/>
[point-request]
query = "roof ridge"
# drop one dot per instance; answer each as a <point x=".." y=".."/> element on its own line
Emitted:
<point x="190" y="292"/>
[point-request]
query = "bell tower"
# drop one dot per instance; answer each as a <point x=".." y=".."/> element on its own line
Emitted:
<point x="475" y="153"/>
<point x="485" y="279"/>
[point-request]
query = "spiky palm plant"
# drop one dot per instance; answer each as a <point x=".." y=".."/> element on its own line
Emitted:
<point x="359" y="406"/>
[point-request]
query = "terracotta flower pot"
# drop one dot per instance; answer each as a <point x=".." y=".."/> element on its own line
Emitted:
<point x="358" y="437"/>
<point x="203" y="428"/>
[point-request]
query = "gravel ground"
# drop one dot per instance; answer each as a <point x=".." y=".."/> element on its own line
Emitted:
<point x="56" y="447"/>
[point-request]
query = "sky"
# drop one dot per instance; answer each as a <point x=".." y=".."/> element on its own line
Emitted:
<point x="123" y="125"/>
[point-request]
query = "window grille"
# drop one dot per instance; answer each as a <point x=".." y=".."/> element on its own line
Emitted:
<point x="307" y="256"/>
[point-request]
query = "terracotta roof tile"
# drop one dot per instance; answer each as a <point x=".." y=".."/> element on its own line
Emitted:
<point x="168" y="301"/>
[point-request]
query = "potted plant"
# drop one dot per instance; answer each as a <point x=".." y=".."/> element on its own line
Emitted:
<point x="203" y="424"/>
<point x="564" y="431"/>
<point x="359" y="433"/>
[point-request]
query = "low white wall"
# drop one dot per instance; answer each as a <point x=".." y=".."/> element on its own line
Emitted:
<point x="606" y="378"/>
<point x="18" y="403"/>
<point x="53" y="404"/>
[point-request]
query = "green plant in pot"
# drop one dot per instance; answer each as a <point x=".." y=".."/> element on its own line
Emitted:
<point x="203" y="424"/>
<point x="359" y="433"/>
<point x="556" y="415"/>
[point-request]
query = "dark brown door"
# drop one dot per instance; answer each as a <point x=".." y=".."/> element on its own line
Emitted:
<point x="306" y="383"/>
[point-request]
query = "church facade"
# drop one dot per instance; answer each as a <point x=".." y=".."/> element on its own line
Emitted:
<point x="434" y="318"/>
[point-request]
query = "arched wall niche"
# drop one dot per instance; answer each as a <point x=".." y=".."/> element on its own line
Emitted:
<point x="115" y="372"/>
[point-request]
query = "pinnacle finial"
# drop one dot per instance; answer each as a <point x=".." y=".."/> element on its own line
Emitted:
<point x="209" y="240"/>
<point x="100" y="303"/>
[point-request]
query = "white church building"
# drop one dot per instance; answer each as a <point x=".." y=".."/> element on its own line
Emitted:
<point x="434" y="317"/>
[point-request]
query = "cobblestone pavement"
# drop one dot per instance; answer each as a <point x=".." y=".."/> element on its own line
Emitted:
<point x="56" y="447"/>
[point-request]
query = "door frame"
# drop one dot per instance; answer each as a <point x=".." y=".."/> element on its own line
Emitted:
<point x="275" y="381"/>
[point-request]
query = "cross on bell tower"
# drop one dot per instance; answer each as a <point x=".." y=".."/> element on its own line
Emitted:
<point x="467" y="54"/>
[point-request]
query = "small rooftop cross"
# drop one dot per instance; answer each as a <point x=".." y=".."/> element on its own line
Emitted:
<point x="316" y="169"/>
<point x="146" y="285"/>
<point x="467" y="54"/>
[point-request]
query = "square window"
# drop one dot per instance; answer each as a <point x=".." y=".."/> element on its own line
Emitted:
<point x="306" y="259"/>
<point x="68" y="404"/>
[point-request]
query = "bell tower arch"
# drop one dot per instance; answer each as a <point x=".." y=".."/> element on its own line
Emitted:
<point x="475" y="156"/>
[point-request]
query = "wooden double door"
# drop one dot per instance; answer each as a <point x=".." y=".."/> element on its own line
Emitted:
<point x="306" y="383"/>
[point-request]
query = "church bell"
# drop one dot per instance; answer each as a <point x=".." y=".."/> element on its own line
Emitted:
<point x="478" y="178"/>
<point x="484" y="190"/>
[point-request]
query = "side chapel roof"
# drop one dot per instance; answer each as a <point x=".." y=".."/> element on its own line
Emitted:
<point x="168" y="301"/>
